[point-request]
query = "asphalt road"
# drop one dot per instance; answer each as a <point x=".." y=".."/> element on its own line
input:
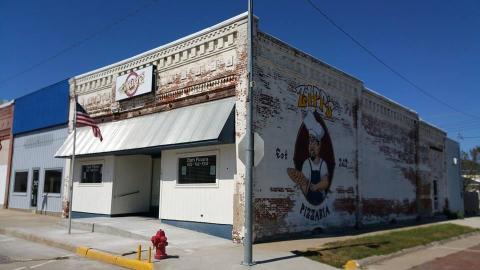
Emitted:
<point x="19" y="254"/>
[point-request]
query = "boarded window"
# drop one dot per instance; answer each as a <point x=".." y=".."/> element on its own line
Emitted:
<point x="21" y="182"/>
<point x="197" y="170"/>
<point x="91" y="173"/>
<point x="53" y="181"/>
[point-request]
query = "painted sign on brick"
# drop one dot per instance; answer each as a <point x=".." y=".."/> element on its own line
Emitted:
<point x="309" y="134"/>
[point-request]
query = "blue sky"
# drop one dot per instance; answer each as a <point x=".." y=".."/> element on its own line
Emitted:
<point x="436" y="44"/>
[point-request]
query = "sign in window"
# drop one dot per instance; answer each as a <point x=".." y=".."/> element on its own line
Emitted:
<point x="53" y="181"/>
<point x="21" y="182"/>
<point x="197" y="170"/>
<point x="91" y="173"/>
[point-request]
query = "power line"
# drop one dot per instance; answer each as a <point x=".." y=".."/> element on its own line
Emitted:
<point x="78" y="43"/>
<point x="394" y="71"/>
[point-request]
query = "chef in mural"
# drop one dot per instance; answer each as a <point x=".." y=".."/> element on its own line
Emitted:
<point x="313" y="159"/>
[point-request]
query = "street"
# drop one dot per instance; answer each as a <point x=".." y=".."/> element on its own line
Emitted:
<point x="467" y="259"/>
<point x="19" y="254"/>
<point x="457" y="254"/>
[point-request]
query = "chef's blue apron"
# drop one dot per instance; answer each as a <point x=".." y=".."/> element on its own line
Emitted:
<point x="315" y="197"/>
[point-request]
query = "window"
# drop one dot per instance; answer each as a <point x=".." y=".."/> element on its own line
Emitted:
<point x="91" y="173"/>
<point x="21" y="182"/>
<point x="197" y="170"/>
<point x="53" y="181"/>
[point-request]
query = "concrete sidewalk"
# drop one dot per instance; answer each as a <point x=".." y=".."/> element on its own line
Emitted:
<point x="190" y="249"/>
<point x="421" y="258"/>
<point x="143" y="228"/>
<point x="186" y="251"/>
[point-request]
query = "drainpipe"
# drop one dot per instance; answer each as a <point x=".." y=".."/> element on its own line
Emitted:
<point x="247" y="241"/>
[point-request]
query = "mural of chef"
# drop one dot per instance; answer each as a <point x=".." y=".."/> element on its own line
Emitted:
<point x="313" y="159"/>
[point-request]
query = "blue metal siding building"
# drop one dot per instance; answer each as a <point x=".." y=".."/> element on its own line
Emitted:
<point x="45" y="108"/>
<point x="39" y="128"/>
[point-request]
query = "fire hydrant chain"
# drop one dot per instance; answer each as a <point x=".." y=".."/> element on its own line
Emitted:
<point x="159" y="241"/>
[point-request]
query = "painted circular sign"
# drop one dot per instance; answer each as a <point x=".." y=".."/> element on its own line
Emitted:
<point x="131" y="84"/>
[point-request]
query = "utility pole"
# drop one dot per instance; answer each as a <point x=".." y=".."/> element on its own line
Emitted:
<point x="247" y="241"/>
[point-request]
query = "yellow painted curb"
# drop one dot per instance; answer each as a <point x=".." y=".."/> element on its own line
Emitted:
<point x="351" y="265"/>
<point x="113" y="259"/>
<point x="82" y="251"/>
<point x="101" y="256"/>
<point x="133" y="264"/>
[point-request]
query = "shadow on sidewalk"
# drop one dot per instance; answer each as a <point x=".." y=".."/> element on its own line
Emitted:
<point x="277" y="259"/>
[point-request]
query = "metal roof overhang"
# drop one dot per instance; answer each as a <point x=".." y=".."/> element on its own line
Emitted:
<point x="201" y="124"/>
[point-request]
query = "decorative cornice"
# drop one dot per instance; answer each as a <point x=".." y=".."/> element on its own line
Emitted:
<point x="198" y="88"/>
<point x="201" y="44"/>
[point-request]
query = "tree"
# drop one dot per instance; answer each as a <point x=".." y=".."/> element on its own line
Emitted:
<point x="470" y="167"/>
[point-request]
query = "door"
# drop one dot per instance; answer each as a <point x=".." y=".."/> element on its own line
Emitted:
<point x="35" y="181"/>
<point x="155" y="190"/>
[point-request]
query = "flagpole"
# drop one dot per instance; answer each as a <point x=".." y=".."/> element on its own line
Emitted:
<point x="72" y="162"/>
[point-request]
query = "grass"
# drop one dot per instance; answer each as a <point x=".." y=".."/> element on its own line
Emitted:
<point x="338" y="253"/>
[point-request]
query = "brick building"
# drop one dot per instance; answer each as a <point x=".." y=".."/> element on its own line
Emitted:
<point x="6" y="116"/>
<point x="336" y="153"/>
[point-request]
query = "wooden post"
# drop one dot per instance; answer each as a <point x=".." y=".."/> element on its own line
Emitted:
<point x="139" y="252"/>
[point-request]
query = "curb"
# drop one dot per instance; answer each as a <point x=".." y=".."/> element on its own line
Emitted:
<point x="375" y="259"/>
<point x="113" y="259"/>
<point x="37" y="239"/>
<point x="82" y="251"/>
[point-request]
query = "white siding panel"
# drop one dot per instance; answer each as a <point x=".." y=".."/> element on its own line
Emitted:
<point x="36" y="150"/>
<point x="94" y="198"/>
<point x="3" y="182"/>
<point x="211" y="204"/>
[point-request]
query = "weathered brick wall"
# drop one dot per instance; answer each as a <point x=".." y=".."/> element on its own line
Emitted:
<point x="431" y="167"/>
<point x="387" y="164"/>
<point x="6" y="120"/>
<point x="290" y="85"/>
<point x="381" y="159"/>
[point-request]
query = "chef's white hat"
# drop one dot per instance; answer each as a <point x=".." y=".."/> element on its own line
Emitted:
<point x="314" y="128"/>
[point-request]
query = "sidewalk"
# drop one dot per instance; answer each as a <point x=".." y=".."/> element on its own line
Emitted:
<point x="186" y="246"/>
<point x="421" y="259"/>
<point x="189" y="249"/>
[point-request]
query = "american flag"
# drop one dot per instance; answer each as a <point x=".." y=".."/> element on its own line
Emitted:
<point x="85" y="119"/>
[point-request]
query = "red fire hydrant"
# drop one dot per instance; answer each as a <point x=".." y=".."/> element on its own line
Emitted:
<point x="159" y="241"/>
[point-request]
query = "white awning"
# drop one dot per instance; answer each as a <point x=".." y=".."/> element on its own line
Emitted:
<point x="196" y="123"/>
